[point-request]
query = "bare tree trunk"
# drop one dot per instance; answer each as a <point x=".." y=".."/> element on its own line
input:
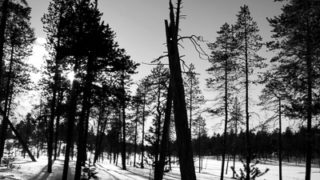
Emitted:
<point x="280" y="142"/>
<point x="159" y="167"/>
<point x="226" y="118"/>
<point x="185" y="153"/>
<point x="71" y="120"/>
<point x="83" y="120"/>
<point x="57" y="125"/>
<point x="248" y="144"/>
<point x="135" y="136"/>
<point x="309" y="69"/>
<point x="123" y="111"/>
<point x="143" y="124"/>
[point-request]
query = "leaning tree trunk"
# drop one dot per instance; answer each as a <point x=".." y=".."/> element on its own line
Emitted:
<point x="20" y="139"/>
<point x="159" y="167"/>
<point x="185" y="153"/>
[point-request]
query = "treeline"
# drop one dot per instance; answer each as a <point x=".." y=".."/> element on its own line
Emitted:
<point x="265" y="145"/>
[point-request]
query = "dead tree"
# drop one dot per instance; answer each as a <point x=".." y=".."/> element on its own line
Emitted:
<point x="185" y="153"/>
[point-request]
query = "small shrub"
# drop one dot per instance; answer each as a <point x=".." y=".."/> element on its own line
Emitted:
<point x="255" y="172"/>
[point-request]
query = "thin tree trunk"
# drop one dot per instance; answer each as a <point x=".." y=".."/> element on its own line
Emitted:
<point x="235" y="138"/>
<point x="199" y="146"/>
<point x="57" y="125"/>
<point x="309" y="103"/>
<point x="71" y="120"/>
<point x="158" y="127"/>
<point x="135" y="136"/>
<point x="123" y="106"/>
<point x="83" y="121"/>
<point x="190" y="107"/>
<point x="226" y="118"/>
<point x="159" y="168"/>
<point x="248" y="144"/>
<point x="280" y="143"/>
<point x="185" y="153"/>
<point x="143" y="124"/>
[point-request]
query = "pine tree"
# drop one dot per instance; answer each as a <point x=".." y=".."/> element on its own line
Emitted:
<point x="19" y="38"/>
<point x="158" y="88"/>
<point x="296" y="39"/>
<point x="194" y="98"/>
<point x="223" y="71"/>
<point x="272" y="98"/>
<point x="249" y="43"/>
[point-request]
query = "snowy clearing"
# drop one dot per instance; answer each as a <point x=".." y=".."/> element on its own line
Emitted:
<point x="24" y="169"/>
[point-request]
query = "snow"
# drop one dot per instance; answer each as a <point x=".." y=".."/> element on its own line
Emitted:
<point x="24" y="169"/>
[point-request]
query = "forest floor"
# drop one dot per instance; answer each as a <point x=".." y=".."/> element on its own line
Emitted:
<point x="24" y="169"/>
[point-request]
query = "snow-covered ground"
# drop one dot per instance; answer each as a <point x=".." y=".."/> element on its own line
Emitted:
<point x="24" y="169"/>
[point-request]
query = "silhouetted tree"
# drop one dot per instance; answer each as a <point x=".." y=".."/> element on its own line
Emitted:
<point x="296" y="37"/>
<point x="249" y="43"/>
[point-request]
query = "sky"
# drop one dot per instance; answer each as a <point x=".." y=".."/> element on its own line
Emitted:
<point x="139" y="28"/>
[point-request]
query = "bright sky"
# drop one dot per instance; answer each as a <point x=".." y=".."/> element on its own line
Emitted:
<point x="139" y="26"/>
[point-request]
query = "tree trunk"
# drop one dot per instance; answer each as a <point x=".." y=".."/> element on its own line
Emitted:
<point x="280" y="143"/>
<point x="135" y="136"/>
<point x="57" y="125"/>
<point x="71" y="120"/>
<point x="2" y="35"/>
<point x="185" y="153"/>
<point x="143" y="124"/>
<point x="226" y="118"/>
<point x="159" y="167"/>
<point x="123" y="111"/>
<point x="83" y="120"/>
<point x="309" y="103"/>
<point x="4" y="126"/>
<point x="248" y="144"/>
